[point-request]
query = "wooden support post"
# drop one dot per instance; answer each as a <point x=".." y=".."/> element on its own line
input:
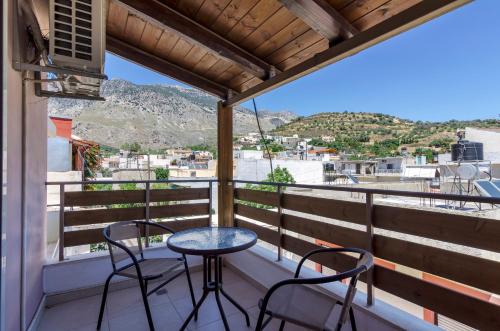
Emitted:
<point x="225" y="163"/>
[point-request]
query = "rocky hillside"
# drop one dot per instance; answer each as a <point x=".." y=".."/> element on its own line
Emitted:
<point x="155" y="116"/>
<point x="370" y="128"/>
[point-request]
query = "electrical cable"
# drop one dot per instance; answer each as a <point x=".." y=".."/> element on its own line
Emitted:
<point x="263" y="140"/>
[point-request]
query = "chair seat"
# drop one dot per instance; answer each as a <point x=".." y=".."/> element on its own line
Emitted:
<point x="301" y="305"/>
<point x="153" y="268"/>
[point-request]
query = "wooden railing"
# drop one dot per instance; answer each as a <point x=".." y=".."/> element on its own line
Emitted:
<point x="83" y="214"/>
<point x="279" y="227"/>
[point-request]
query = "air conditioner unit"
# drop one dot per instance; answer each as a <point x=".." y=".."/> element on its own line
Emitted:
<point x="77" y="34"/>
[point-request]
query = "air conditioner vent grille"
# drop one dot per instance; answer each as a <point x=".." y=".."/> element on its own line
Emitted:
<point x="73" y="30"/>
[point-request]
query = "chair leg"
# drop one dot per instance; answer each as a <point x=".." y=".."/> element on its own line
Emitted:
<point x="282" y="325"/>
<point x="103" y="302"/>
<point x="260" y="321"/>
<point x="146" y="305"/>
<point x="353" y="320"/>
<point x="188" y="276"/>
<point x="266" y="322"/>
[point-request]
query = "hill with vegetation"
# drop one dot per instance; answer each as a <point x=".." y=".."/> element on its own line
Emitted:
<point x="155" y="116"/>
<point x="375" y="134"/>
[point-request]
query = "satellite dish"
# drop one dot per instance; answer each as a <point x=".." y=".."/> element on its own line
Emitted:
<point x="467" y="171"/>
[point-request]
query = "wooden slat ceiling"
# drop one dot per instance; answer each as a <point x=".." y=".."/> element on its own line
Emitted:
<point x="228" y="46"/>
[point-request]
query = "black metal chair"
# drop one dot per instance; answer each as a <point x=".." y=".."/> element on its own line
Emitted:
<point x="127" y="257"/>
<point x="293" y="300"/>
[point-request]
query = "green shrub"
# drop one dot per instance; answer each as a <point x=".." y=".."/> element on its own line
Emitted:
<point x="162" y="173"/>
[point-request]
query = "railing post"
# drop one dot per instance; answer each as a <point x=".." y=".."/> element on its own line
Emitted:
<point x="146" y="230"/>
<point x="280" y="220"/>
<point x="61" y="222"/>
<point x="210" y="203"/>
<point x="369" y="233"/>
<point x="233" y="188"/>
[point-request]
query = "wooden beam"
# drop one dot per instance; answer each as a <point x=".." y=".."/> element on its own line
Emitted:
<point x="167" y="18"/>
<point x="322" y="18"/>
<point x="225" y="163"/>
<point x="416" y="15"/>
<point x="164" y="67"/>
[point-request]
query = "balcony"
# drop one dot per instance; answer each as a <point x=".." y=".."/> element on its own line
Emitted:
<point x="427" y="258"/>
<point x="434" y="265"/>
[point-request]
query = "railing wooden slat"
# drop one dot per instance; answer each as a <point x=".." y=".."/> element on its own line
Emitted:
<point x="98" y="216"/>
<point x="93" y="198"/>
<point x="466" y="269"/>
<point x="105" y="215"/>
<point x="258" y="214"/>
<point x="188" y="209"/>
<point x="338" y="262"/>
<point x="97" y="198"/>
<point x="263" y="233"/>
<point x="459" y="229"/>
<point x="93" y="236"/>
<point x="325" y="231"/>
<point x="181" y="194"/>
<point x="461" y="307"/>
<point x="179" y="225"/>
<point x="263" y="197"/>
<point x="337" y="209"/>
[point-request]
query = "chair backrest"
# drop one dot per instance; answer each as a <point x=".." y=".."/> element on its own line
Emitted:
<point x="364" y="263"/>
<point x="126" y="234"/>
<point x="315" y="315"/>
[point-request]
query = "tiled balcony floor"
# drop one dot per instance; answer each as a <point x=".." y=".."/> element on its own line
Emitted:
<point x="125" y="311"/>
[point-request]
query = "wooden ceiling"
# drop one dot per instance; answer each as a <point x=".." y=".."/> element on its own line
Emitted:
<point x="230" y="48"/>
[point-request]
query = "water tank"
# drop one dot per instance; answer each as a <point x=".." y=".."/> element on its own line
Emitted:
<point x="465" y="150"/>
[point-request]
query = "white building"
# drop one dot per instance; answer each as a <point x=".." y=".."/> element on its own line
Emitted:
<point x="391" y="165"/>
<point x="248" y="154"/>
<point x="490" y="138"/>
<point x="304" y="172"/>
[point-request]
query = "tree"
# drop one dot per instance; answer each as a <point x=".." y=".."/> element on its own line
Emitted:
<point x="99" y="187"/>
<point x="275" y="148"/>
<point x="133" y="147"/>
<point x="162" y="173"/>
<point x="91" y="160"/>
<point x="317" y="142"/>
<point x="429" y="155"/>
<point x="279" y="175"/>
<point x="443" y="143"/>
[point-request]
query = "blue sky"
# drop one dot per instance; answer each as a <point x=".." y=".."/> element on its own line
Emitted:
<point x="446" y="69"/>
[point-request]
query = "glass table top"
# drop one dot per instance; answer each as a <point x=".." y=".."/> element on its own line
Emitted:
<point x="211" y="241"/>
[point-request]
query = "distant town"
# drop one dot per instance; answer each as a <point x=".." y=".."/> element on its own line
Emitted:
<point x="321" y="160"/>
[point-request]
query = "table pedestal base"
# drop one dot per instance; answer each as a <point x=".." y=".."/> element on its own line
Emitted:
<point x="216" y="287"/>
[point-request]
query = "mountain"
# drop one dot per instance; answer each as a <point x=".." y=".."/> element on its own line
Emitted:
<point x="155" y="116"/>
<point x="370" y="128"/>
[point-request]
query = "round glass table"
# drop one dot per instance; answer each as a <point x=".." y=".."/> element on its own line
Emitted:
<point x="211" y="243"/>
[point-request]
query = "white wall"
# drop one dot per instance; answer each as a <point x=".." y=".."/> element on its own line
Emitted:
<point x="53" y="190"/>
<point x="59" y="154"/>
<point x="34" y="193"/>
<point x="248" y="154"/>
<point x="490" y="140"/>
<point x="304" y="172"/>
